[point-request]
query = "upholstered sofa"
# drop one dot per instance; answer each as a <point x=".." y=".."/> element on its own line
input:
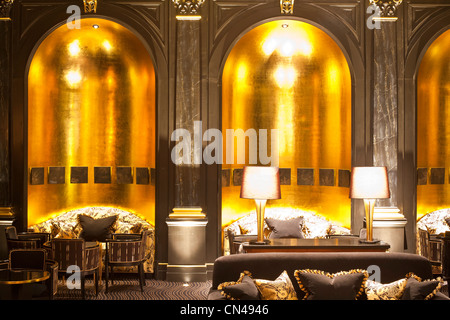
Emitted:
<point x="312" y="225"/>
<point x="66" y="225"/>
<point x="393" y="272"/>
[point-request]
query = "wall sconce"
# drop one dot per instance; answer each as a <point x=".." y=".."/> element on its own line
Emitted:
<point x="369" y="184"/>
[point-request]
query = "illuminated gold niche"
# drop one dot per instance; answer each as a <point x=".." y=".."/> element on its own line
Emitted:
<point x="91" y="102"/>
<point x="433" y="119"/>
<point x="291" y="76"/>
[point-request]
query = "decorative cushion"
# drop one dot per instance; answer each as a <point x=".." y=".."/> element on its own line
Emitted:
<point x="320" y="285"/>
<point x="96" y="229"/>
<point x="138" y="228"/>
<point x="447" y="221"/>
<point x="63" y="233"/>
<point x="285" y="228"/>
<point x="242" y="289"/>
<point x="416" y="289"/>
<point x="389" y="291"/>
<point x="279" y="289"/>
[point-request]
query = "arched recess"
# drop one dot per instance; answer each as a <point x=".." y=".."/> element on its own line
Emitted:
<point x="230" y="33"/>
<point x="433" y="119"/>
<point x="289" y="76"/>
<point x="91" y="128"/>
<point x="419" y="42"/>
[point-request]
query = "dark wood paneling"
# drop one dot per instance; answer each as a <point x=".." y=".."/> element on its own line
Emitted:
<point x="5" y="104"/>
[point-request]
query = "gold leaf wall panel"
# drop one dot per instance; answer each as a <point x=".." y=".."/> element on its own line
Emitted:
<point x="291" y="76"/>
<point x="91" y="103"/>
<point x="433" y="126"/>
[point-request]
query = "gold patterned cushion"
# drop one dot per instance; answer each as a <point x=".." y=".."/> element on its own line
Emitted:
<point x="242" y="289"/>
<point x="67" y="232"/>
<point x="279" y="289"/>
<point x="321" y="285"/>
<point x="136" y="228"/>
<point x="389" y="291"/>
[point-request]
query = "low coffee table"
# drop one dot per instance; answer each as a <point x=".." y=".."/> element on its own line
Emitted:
<point x="338" y="244"/>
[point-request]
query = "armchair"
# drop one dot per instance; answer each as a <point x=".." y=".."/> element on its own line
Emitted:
<point x="36" y="259"/>
<point x="126" y="250"/>
<point x="69" y="252"/>
<point x="431" y="246"/>
<point x="25" y="240"/>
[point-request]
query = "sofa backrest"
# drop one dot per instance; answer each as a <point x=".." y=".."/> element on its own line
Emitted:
<point x="392" y="266"/>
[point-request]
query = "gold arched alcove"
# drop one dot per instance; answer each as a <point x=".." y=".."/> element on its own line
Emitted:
<point x="433" y="127"/>
<point x="91" y="121"/>
<point x="291" y="76"/>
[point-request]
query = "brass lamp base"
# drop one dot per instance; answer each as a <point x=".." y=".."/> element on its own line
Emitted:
<point x="260" y="208"/>
<point x="369" y="205"/>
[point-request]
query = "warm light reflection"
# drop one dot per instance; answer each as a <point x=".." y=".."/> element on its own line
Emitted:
<point x="97" y="108"/>
<point x="74" y="48"/>
<point x="285" y="76"/>
<point x="287" y="41"/>
<point x="294" y="79"/>
<point x="107" y="45"/>
<point x="73" y="78"/>
<point x="433" y="119"/>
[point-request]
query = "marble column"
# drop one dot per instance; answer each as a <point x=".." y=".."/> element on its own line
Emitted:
<point x="389" y="223"/>
<point x="385" y="133"/>
<point x="187" y="223"/>
<point x="188" y="109"/>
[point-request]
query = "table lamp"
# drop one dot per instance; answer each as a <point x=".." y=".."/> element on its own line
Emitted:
<point x="369" y="184"/>
<point x="260" y="184"/>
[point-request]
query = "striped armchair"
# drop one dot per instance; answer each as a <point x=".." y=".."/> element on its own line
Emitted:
<point x="126" y="250"/>
<point x="74" y="252"/>
<point x="25" y="240"/>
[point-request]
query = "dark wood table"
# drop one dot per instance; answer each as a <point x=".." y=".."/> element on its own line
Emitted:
<point x="338" y="244"/>
<point x="13" y="283"/>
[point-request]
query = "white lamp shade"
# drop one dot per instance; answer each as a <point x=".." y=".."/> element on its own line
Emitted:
<point x="260" y="183"/>
<point x="369" y="183"/>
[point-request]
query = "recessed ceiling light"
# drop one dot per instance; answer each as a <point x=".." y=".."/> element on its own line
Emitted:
<point x="95" y="26"/>
<point x="284" y="25"/>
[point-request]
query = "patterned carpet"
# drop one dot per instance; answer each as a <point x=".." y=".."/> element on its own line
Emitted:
<point x="129" y="289"/>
